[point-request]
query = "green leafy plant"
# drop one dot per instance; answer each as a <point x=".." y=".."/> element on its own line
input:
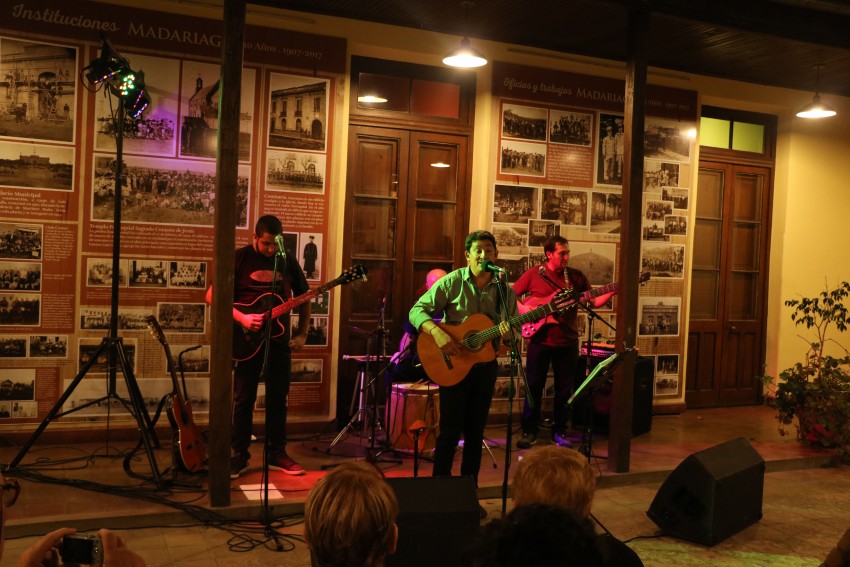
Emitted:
<point x="817" y="390"/>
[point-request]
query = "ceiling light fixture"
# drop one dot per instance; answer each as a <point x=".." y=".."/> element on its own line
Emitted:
<point x="465" y="56"/>
<point x="816" y="108"/>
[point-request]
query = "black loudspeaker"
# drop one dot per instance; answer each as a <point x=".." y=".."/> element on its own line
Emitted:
<point x="642" y="397"/>
<point x="712" y="494"/>
<point x="438" y="517"/>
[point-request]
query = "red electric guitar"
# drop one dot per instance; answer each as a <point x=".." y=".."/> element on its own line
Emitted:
<point x="529" y="329"/>
<point x="188" y="442"/>
<point x="247" y="343"/>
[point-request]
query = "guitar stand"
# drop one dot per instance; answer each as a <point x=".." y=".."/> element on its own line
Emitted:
<point x="364" y="411"/>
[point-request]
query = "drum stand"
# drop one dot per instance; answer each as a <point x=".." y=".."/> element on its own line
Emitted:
<point x="364" y="391"/>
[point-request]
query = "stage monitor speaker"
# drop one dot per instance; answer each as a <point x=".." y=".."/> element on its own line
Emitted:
<point x="438" y="517"/>
<point x="641" y="397"/>
<point x="712" y="494"/>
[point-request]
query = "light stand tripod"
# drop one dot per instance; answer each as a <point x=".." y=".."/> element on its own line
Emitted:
<point x="112" y="344"/>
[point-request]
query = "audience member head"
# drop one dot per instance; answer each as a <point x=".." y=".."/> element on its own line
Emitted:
<point x="349" y="518"/>
<point x="538" y="535"/>
<point x="555" y="475"/>
<point x="432" y="277"/>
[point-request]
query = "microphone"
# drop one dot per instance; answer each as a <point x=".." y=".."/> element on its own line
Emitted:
<point x="279" y="241"/>
<point x="489" y="266"/>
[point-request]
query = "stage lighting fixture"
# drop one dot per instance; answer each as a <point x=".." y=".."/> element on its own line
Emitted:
<point x="135" y="102"/>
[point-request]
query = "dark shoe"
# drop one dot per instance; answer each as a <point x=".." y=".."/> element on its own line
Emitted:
<point x="482" y="513"/>
<point x="284" y="462"/>
<point x="238" y="465"/>
<point x="526" y="441"/>
<point x="561" y="439"/>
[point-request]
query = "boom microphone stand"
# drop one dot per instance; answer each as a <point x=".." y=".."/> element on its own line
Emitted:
<point x="112" y="344"/>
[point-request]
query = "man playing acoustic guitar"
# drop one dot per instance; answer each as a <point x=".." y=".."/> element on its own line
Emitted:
<point x="253" y="267"/>
<point x="555" y="342"/>
<point x="465" y="403"/>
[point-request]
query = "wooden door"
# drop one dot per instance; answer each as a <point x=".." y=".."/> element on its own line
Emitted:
<point x="406" y="214"/>
<point x="726" y="347"/>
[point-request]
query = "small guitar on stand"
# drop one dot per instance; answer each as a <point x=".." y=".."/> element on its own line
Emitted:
<point x="247" y="343"/>
<point x="188" y="442"/>
<point x="530" y="329"/>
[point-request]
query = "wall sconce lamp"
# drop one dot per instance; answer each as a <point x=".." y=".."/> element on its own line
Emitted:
<point x="816" y="108"/>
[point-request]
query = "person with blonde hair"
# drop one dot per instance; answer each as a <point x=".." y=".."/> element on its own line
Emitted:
<point x="563" y="477"/>
<point x="350" y="518"/>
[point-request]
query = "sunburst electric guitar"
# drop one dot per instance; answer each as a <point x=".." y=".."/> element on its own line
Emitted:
<point x="188" y="442"/>
<point x="247" y="343"/>
<point x="530" y="329"/>
<point x="475" y="336"/>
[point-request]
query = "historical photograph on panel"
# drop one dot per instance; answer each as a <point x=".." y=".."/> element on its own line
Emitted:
<point x="524" y="122"/>
<point x="539" y="231"/>
<point x="311" y="255"/>
<point x="657" y="210"/>
<point x="163" y="191"/>
<point x="606" y="212"/>
<point x="298" y="112"/>
<point x="658" y="174"/>
<point x="89" y="396"/>
<point x="18" y="384"/>
<point x="98" y="318"/>
<point x="513" y="265"/>
<point x="653" y="231"/>
<point x="181" y="317"/>
<point x="90" y="349"/>
<point x="321" y="303"/>
<point x="99" y="272"/>
<point x="295" y="171"/>
<point x="523" y="158"/>
<point x="195" y="359"/>
<point x="31" y="166"/>
<point x="565" y="205"/>
<point x="148" y="273"/>
<point x="48" y="346"/>
<point x="609" y="154"/>
<point x="20" y="276"/>
<point x="154" y="132"/>
<point x="676" y="225"/>
<point x="663" y="260"/>
<point x="24" y="409"/>
<point x="567" y="127"/>
<point x="667" y="364"/>
<point x="659" y="316"/>
<point x="38" y="85"/>
<point x="199" y="110"/>
<point x="676" y="195"/>
<point x="535" y="258"/>
<point x="13" y="346"/>
<point x="191" y="275"/>
<point x="667" y="140"/>
<point x="514" y="203"/>
<point x="317" y="331"/>
<point x="307" y="370"/>
<point x="20" y="309"/>
<point x="512" y="239"/>
<point x="20" y="241"/>
<point x="595" y="259"/>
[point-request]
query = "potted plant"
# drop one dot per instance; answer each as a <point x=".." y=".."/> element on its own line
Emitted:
<point x="817" y="390"/>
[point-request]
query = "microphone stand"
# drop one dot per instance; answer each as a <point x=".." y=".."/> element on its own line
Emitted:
<point x="516" y="368"/>
<point x="266" y="518"/>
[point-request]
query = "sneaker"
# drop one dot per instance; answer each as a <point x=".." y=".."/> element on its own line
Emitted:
<point x="561" y="440"/>
<point x="238" y="465"/>
<point x="283" y="462"/>
<point x="526" y="441"/>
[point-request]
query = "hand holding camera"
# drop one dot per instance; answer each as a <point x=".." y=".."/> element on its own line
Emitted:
<point x="106" y="548"/>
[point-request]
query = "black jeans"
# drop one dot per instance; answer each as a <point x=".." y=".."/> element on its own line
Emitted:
<point x="464" y="408"/>
<point x="537" y="361"/>
<point x="246" y="378"/>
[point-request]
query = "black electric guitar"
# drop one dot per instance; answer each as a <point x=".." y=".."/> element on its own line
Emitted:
<point x="247" y="343"/>
<point x="188" y="442"/>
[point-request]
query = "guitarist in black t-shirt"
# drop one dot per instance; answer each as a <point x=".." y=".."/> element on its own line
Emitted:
<point x="252" y="293"/>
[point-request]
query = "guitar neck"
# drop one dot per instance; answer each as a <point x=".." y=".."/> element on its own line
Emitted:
<point x="291" y="304"/>
<point x="493" y="332"/>
<point x="597" y="291"/>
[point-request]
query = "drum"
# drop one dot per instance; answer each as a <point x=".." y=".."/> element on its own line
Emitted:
<point x="411" y="403"/>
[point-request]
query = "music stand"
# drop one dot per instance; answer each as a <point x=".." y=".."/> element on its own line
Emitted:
<point x="112" y="344"/>
<point x="594" y="379"/>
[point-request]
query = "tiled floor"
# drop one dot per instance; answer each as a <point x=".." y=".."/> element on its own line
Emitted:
<point x="806" y="506"/>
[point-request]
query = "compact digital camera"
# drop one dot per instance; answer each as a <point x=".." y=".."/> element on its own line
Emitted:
<point x="82" y="549"/>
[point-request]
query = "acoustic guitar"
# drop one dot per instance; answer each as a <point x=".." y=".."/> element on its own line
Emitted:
<point x="530" y="329"/>
<point x="475" y="336"/>
<point x="246" y="343"/>
<point x="188" y="442"/>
